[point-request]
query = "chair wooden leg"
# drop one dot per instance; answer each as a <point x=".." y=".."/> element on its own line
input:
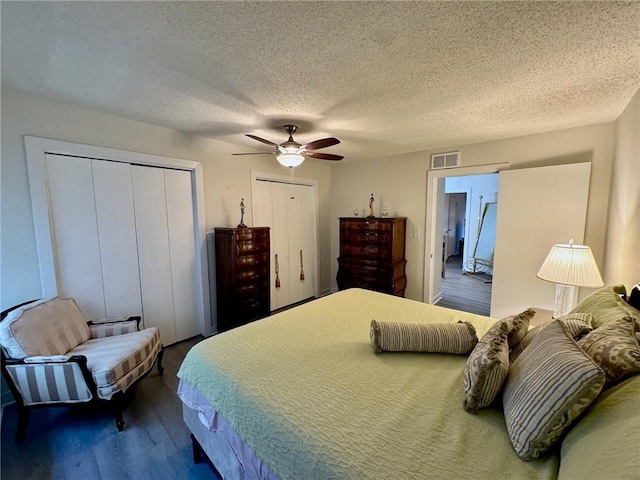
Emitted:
<point x="23" y="420"/>
<point x="159" y="360"/>
<point x="119" y="419"/>
<point x="197" y="449"/>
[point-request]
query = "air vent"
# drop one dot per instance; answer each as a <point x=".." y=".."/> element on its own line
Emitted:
<point x="445" y="160"/>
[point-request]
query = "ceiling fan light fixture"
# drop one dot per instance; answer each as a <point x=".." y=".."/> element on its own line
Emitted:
<point x="290" y="159"/>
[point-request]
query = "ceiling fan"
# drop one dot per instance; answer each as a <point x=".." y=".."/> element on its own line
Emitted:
<point x="292" y="153"/>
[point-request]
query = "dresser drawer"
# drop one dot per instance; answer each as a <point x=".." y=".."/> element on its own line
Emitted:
<point x="250" y="261"/>
<point x="371" y="225"/>
<point x="366" y="252"/>
<point x="251" y="289"/>
<point x="366" y="237"/>
<point x="249" y="275"/>
<point x="363" y="270"/>
<point x="251" y="234"/>
<point x="251" y="246"/>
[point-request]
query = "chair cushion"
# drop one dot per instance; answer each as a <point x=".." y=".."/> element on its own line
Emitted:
<point x="52" y="326"/>
<point x="116" y="362"/>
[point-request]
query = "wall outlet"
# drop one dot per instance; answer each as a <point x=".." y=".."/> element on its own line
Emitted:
<point x="416" y="233"/>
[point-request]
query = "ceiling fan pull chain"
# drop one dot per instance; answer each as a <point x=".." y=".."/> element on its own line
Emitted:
<point x="277" y="271"/>
<point x="301" y="269"/>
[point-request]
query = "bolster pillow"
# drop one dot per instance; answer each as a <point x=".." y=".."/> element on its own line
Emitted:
<point x="458" y="338"/>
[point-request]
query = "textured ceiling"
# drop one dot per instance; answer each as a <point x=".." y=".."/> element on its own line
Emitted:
<point x="384" y="77"/>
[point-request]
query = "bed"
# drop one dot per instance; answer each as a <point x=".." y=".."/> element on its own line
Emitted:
<point x="301" y="394"/>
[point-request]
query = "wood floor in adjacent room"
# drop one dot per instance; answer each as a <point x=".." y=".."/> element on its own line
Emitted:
<point x="66" y="443"/>
<point x="460" y="291"/>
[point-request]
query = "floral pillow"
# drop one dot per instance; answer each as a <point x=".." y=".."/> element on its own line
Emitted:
<point x="615" y="348"/>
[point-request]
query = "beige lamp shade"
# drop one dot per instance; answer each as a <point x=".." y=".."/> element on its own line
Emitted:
<point x="570" y="264"/>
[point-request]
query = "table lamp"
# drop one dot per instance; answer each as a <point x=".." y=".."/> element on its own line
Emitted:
<point x="569" y="266"/>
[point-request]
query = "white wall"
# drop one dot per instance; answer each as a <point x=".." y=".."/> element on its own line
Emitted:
<point x="404" y="189"/>
<point x="622" y="252"/>
<point x="226" y="178"/>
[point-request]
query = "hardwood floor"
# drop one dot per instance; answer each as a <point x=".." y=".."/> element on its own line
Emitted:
<point x="81" y="443"/>
<point x="468" y="293"/>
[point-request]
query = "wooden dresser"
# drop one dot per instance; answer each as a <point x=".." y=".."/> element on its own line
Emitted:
<point x="242" y="275"/>
<point x="372" y="254"/>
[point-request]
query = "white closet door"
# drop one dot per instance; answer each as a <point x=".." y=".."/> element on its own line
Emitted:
<point x="309" y="246"/>
<point x="280" y="246"/>
<point x="117" y="237"/>
<point x="75" y="233"/>
<point x="153" y="251"/>
<point x="263" y="217"/>
<point x="294" y="217"/>
<point x="182" y="243"/>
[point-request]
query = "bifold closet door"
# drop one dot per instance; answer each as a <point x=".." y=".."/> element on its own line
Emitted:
<point x="153" y="250"/>
<point x="308" y="241"/>
<point x="117" y="237"/>
<point x="94" y="235"/>
<point x="290" y="212"/>
<point x="74" y="229"/>
<point x="182" y="242"/>
<point x="280" y="246"/>
<point x="166" y="250"/>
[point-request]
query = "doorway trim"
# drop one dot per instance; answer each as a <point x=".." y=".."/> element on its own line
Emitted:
<point x="36" y="149"/>
<point x="433" y="176"/>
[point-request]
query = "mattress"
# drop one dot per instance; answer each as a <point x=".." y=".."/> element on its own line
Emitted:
<point x="304" y="390"/>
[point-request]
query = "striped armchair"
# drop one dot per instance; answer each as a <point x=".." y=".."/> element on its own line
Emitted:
<point x="52" y="356"/>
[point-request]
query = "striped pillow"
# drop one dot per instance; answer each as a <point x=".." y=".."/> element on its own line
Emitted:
<point x="486" y="369"/>
<point x="457" y="338"/>
<point x="549" y="385"/>
<point x="578" y="325"/>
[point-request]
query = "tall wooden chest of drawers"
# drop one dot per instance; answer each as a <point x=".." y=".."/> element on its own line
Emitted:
<point x="242" y="275"/>
<point x="372" y="254"/>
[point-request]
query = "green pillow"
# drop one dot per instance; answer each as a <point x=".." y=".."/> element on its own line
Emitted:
<point x="605" y="305"/>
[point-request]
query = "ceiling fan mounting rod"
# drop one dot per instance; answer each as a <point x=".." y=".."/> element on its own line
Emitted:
<point x="290" y="129"/>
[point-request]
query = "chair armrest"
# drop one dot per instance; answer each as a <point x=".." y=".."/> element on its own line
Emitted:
<point x="77" y="384"/>
<point x="46" y="359"/>
<point x="116" y="328"/>
<point x="114" y="320"/>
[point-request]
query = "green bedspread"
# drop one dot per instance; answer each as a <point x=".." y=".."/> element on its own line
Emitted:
<point x="304" y="389"/>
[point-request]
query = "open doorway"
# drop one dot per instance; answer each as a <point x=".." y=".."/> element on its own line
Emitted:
<point x="455" y="206"/>
<point x="467" y="272"/>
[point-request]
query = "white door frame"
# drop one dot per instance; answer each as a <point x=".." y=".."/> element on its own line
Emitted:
<point x="274" y="177"/>
<point x="431" y="221"/>
<point x="36" y="148"/>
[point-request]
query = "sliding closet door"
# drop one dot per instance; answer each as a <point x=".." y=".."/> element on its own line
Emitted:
<point x="75" y="233"/>
<point x="153" y="250"/>
<point x="182" y="241"/>
<point x="117" y="237"/>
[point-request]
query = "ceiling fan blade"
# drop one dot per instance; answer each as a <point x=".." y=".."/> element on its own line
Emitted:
<point x="323" y="143"/>
<point x="255" y="153"/>
<point x="268" y="142"/>
<point x="323" y="156"/>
